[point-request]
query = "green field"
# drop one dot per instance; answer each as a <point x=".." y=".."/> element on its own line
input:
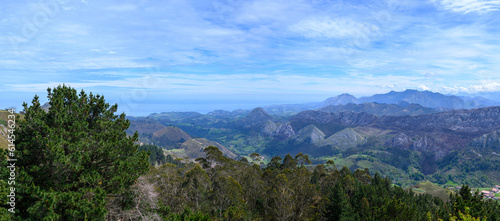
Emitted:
<point x="451" y="183"/>
<point x="433" y="189"/>
<point x="481" y="189"/>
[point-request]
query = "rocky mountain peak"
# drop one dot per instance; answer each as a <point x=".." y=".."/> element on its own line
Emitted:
<point x="341" y="100"/>
<point x="258" y="115"/>
<point x="351" y="118"/>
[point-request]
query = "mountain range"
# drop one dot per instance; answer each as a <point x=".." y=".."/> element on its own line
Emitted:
<point x="404" y="98"/>
<point x="406" y="135"/>
<point x="409" y="136"/>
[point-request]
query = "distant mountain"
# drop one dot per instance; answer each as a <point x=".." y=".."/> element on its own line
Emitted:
<point x="193" y="148"/>
<point x="429" y="99"/>
<point x="479" y="101"/>
<point x="492" y="96"/>
<point x="381" y="109"/>
<point x="256" y="116"/>
<point x="342" y="99"/>
<point x="310" y="134"/>
<point x="290" y="109"/>
<point x="144" y="126"/>
<point x="424" y="98"/>
<point x="223" y="114"/>
<point x="171" y="136"/>
<point x="437" y="101"/>
<point x="176" y="116"/>
<point x="46" y="107"/>
<point x="258" y="120"/>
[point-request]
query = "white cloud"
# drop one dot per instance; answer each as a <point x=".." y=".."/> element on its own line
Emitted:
<point x="492" y="86"/>
<point x="468" y="6"/>
<point x="486" y="87"/>
<point x="264" y="12"/>
<point x="424" y="88"/>
<point x="312" y="39"/>
<point x="325" y="27"/>
<point x="146" y="82"/>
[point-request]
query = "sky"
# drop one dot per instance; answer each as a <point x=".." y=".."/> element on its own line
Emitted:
<point x="180" y="55"/>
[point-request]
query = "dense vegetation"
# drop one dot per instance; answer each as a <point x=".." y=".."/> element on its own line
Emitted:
<point x="219" y="188"/>
<point x="72" y="159"/>
<point x="155" y="153"/>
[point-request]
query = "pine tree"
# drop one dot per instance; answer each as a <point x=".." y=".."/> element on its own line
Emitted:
<point x="73" y="156"/>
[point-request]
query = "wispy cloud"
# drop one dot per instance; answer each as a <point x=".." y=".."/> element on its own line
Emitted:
<point x="470" y="6"/>
<point x="256" y="84"/>
<point x="325" y="27"/>
<point x="472" y="89"/>
<point x="259" y="48"/>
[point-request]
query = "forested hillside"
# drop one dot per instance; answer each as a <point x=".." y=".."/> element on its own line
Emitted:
<point x="218" y="188"/>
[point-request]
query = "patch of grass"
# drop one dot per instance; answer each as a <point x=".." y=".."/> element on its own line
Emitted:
<point x="365" y="164"/>
<point x="3" y="142"/>
<point x="433" y="189"/>
<point x="177" y="150"/>
<point x="481" y="189"/>
<point x="341" y="162"/>
<point x="5" y="114"/>
<point x="451" y="183"/>
<point x="249" y="149"/>
<point x="428" y="186"/>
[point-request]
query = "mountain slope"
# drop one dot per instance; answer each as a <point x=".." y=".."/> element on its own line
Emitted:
<point x="194" y="148"/>
<point x="381" y="109"/>
<point x="171" y="135"/>
<point x="474" y="121"/>
<point x="427" y="99"/>
<point x="487" y="144"/>
<point x="256" y="117"/>
<point x="437" y="133"/>
<point x="341" y="99"/>
<point x="144" y="126"/>
<point x="424" y="98"/>
<point x="173" y="138"/>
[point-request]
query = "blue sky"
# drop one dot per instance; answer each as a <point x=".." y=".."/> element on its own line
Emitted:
<point x="153" y="56"/>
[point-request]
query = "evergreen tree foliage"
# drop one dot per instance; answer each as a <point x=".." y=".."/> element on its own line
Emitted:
<point x="156" y="155"/>
<point x="285" y="189"/>
<point x="71" y="158"/>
